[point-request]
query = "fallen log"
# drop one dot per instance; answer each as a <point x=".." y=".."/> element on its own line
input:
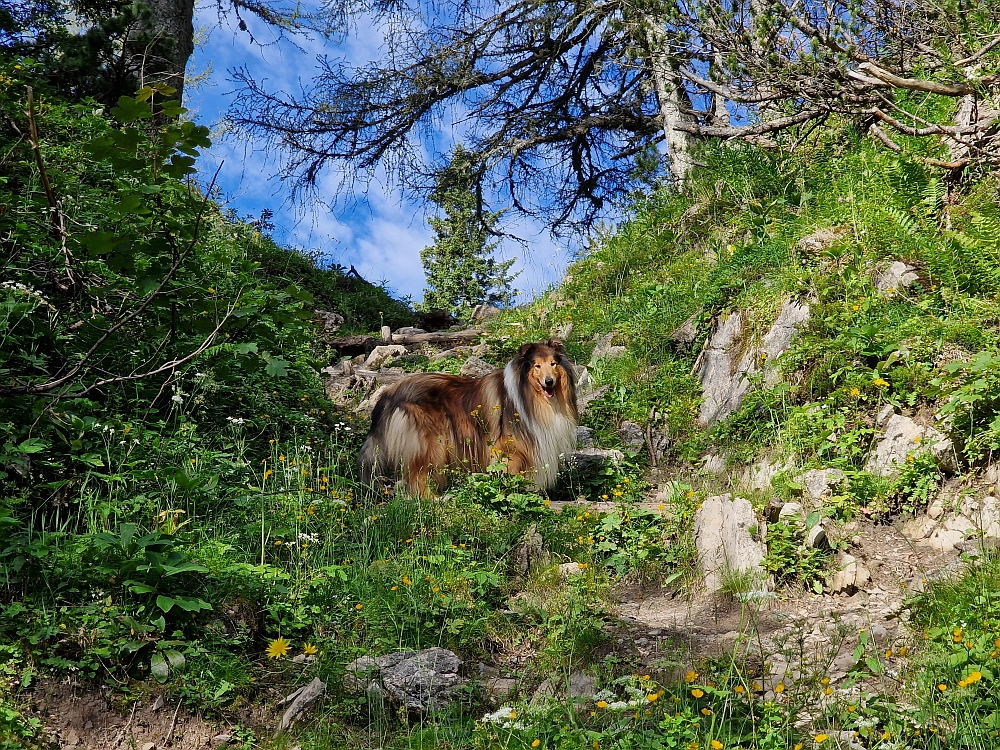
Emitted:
<point x="440" y="337"/>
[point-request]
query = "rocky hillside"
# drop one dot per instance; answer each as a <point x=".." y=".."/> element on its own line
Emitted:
<point x="776" y="532"/>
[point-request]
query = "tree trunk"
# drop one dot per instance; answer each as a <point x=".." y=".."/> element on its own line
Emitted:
<point x="675" y="104"/>
<point x="163" y="43"/>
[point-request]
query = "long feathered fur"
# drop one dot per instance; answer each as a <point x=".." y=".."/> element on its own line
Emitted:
<point x="524" y="413"/>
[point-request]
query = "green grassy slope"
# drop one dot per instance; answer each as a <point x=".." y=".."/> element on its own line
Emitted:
<point x="192" y="531"/>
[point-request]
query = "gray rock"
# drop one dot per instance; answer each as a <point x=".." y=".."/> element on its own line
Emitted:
<point x="584" y="400"/>
<point x="884" y="414"/>
<point x="758" y="476"/>
<point x="918" y="528"/>
<point x="822" y="239"/>
<point x="590" y="457"/>
<point x="949" y="533"/>
<point x="485" y="312"/>
<point x="584" y="437"/>
<point x="896" y="277"/>
<point x="359" y="674"/>
<point x="903" y="437"/>
<point x="581" y="685"/>
<point x="474" y="367"/>
<point x="684" y="335"/>
<point x="563" y="330"/>
<point x="604" y="350"/>
<point x="330" y="321"/>
<point x="985" y="515"/>
<point x="421" y="680"/>
<point x="501" y="687"/>
<point x="544" y="692"/>
<point x="714" y="464"/>
<point x="409" y="330"/>
<point x="722" y="535"/>
<point x="819" y="484"/>
<point x="790" y="512"/>
<point x="849" y="575"/>
<point x="530" y="555"/>
<point x="816" y="537"/>
<point x="725" y="365"/>
<point x="380" y="354"/>
<point x="632" y="435"/>
<point x="570" y="569"/>
<point x="300" y="700"/>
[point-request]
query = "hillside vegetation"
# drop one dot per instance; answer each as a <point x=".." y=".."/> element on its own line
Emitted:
<point x="179" y="513"/>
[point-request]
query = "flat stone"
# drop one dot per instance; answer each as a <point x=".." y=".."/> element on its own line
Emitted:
<point x="584" y="437"/>
<point x="604" y="350"/>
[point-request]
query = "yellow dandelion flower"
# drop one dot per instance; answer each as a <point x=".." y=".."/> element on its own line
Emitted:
<point x="739" y="690"/>
<point x="536" y="742"/>
<point x="942" y="687"/>
<point x="698" y="693"/>
<point x="278" y="648"/>
<point x="779" y="688"/>
<point x="358" y="606"/>
<point x="602" y="704"/>
<point x="691" y="677"/>
<point x="706" y="711"/>
<point x="820" y="738"/>
<point x="653" y="697"/>
<point x="716" y="745"/>
<point x="974" y="677"/>
<point x="310" y="650"/>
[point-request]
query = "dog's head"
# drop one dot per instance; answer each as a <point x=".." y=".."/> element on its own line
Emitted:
<point x="547" y="370"/>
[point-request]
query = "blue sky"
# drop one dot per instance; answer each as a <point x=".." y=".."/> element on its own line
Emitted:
<point x="379" y="232"/>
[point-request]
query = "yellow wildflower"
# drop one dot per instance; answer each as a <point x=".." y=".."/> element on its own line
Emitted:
<point x="278" y="648"/>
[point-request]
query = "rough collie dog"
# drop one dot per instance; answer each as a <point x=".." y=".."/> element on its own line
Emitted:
<point x="524" y="413"/>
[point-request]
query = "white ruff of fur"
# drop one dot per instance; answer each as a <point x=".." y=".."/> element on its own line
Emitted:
<point x="553" y="433"/>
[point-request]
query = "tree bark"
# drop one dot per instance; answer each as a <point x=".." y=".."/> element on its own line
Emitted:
<point x="673" y="98"/>
<point x="163" y="43"/>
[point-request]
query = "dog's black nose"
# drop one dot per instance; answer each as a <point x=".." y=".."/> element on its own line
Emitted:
<point x="549" y="381"/>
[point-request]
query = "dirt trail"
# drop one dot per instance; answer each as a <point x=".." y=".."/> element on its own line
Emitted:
<point x="86" y="718"/>
<point x="794" y="633"/>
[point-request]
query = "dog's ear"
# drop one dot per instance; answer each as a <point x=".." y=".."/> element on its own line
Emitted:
<point x="557" y="345"/>
<point x="524" y="350"/>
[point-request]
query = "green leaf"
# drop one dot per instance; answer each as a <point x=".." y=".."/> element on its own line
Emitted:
<point x="165" y="603"/>
<point x="159" y="667"/>
<point x="874" y="665"/>
<point x="32" y="445"/>
<point x="129" y="110"/>
<point x="277" y="367"/>
<point x="174" y="658"/>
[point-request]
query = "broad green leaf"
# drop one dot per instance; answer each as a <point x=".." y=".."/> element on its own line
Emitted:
<point x="159" y="667"/>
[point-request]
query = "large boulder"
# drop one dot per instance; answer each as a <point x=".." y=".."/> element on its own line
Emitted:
<point x="604" y="350"/>
<point x="902" y="438"/>
<point x="725" y="365"/>
<point x="726" y="544"/>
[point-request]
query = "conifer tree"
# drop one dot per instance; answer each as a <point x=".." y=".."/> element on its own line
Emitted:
<point x="460" y="268"/>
